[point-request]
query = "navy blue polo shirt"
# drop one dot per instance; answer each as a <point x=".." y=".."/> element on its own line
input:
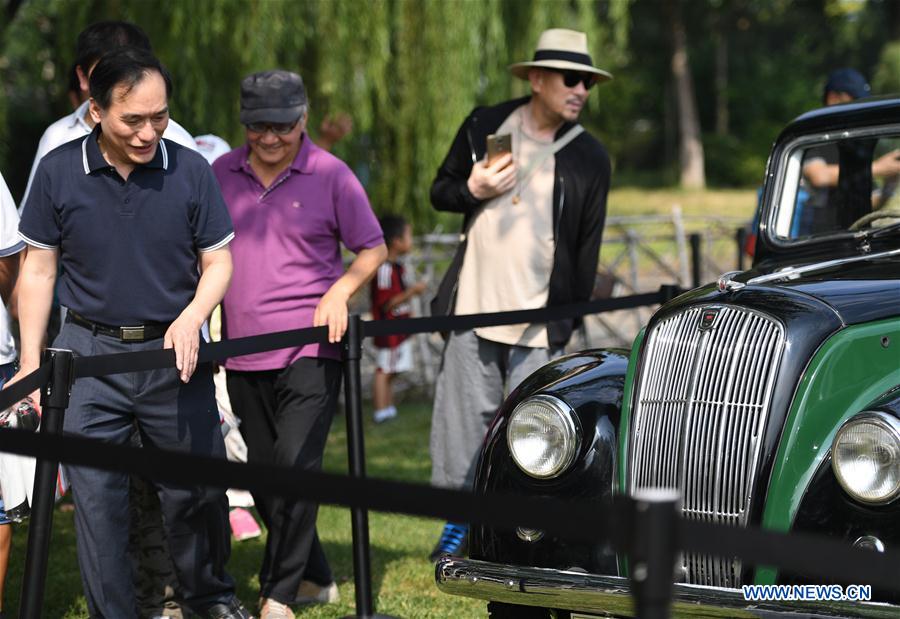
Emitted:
<point x="128" y="250"/>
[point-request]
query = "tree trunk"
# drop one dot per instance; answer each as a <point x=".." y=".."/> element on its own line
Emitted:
<point x="12" y="7"/>
<point x="721" y="51"/>
<point x="893" y="19"/>
<point x="690" y="145"/>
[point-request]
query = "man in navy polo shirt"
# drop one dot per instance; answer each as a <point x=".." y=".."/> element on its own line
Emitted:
<point x="141" y="232"/>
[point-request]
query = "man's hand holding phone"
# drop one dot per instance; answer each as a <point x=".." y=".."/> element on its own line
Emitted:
<point x="496" y="174"/>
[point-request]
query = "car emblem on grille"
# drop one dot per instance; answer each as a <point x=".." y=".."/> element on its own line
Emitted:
<point x="708" y="318"/>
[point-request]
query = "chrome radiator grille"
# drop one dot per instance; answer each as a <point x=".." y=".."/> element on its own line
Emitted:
<point x="699" y="415"/>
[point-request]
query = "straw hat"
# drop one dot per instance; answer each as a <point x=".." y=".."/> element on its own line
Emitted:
<point x="559" y="48"/>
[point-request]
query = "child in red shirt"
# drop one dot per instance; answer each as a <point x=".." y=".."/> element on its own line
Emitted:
<point x="390" y="300"/>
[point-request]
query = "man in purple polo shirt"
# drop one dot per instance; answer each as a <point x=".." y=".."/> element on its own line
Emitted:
<point x="292" y="204"/>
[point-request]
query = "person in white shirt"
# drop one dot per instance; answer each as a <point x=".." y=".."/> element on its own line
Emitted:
<point x="10" y="246"/>
<point x="211" y="146"/>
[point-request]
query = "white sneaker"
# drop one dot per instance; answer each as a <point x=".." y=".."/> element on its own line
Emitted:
<point x="383" y="414"/>
<point x="311" y="593"/>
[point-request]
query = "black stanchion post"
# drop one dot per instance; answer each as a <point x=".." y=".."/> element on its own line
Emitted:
<point x="356" y="450"/>
<point x="740" y="237"/>
<point x="54" y="400"/>
<point x="696" y="260"/>
<point x="653" y="548"/>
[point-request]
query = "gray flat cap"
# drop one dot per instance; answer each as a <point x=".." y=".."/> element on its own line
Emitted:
<point x="276" y="96"/>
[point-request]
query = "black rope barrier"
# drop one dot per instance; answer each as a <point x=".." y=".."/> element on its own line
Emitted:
<point x="584" y="521"/>
<point x="25" y="387"/>
<point x="409" y="326"/>
<point x="319" y="487"/>
<point x="121" y="363"/>
<point x="650" y="546"/>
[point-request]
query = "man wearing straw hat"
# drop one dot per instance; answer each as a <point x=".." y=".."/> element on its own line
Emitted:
<point x="533" y="220"/>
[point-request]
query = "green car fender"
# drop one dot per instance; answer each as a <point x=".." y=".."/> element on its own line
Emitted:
<point x="624" y="425"/>
<point x="625" y="419"/>
<point x="851" y="369"/>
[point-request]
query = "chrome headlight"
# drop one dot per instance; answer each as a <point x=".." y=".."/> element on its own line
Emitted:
<point x="543" y="436"/>
<point x="865" y="457"/>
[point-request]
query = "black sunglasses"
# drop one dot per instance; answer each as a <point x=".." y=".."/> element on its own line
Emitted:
<point x="571" y="78"/>
<point x="276" y="128"/>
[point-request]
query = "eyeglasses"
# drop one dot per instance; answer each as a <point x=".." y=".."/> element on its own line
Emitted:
<point x="571" y="78"/>
<point x="276" y="128"/>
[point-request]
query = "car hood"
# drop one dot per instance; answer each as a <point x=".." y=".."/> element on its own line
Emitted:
<point x="858" y="292"/>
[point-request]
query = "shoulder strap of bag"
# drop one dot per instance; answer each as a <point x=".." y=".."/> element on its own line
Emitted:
<point x="552" y="149"/>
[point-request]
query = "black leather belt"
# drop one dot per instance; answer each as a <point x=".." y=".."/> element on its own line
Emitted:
<point x="137" y="333"/>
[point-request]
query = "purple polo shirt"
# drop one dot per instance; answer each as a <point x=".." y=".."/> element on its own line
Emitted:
<point x="287" y="246"/>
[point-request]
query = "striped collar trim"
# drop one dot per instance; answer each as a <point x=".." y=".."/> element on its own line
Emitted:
<point x="92" y="159"/>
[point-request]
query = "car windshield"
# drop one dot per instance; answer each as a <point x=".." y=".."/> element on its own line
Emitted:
<point x="838" y="184"/>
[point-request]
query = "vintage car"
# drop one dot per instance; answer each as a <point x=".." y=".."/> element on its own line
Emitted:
<point x="769" y="398"/>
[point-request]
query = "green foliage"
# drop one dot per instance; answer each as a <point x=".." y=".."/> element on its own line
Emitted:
<point x="887" y="76"/>
<point x="728" y="164"/>
<point x="34" y="88"/>
<point x="408" y="71"/>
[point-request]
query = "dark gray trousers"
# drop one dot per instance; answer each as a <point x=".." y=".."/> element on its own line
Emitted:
<point x="475" y="376"/>
<point x="172" y="416"/>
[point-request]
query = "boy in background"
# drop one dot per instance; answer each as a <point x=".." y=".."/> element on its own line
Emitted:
<point x="390" y="300"/>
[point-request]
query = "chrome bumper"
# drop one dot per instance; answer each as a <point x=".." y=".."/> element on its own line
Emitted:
<point x="611" y="595"/>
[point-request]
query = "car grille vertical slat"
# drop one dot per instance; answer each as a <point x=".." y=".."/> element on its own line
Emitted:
<point x="700" y="409"/>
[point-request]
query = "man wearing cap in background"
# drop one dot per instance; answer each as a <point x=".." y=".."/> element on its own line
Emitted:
<point x="533" y="220"/>
<point x="292" y="204"/>
<point x="821" y="168"/>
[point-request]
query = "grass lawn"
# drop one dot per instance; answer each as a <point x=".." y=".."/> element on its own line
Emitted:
<point x="632" y="201"/>
<point x="403" y="578"/>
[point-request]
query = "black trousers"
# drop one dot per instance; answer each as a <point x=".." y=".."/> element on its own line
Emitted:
<point x="172" y="416"/>
<point x="285" y="418"/>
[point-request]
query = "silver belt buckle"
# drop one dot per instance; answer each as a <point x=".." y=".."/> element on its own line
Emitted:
<point x="132" y="334"/>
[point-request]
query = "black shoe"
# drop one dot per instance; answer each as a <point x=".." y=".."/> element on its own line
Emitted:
<point x="231" y="610"/>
